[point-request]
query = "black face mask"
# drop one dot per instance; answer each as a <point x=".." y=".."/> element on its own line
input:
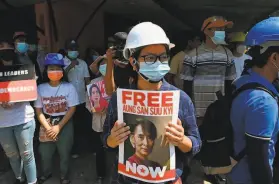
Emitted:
<point x="7" y="55"/>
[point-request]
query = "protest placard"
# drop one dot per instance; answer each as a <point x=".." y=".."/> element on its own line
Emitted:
<point x="146" y="155"/>
<point x="17" y="83"/>
<point x="97" y="95"/>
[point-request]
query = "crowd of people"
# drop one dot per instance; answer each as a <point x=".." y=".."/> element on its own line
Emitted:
<point x="212" y="61"/>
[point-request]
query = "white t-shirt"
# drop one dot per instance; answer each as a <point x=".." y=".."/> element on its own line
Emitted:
<point x="56" y="101"/>
<point x="239" y="64"/>
<point x="76" y="77"/>
<point x="18" y="114"/>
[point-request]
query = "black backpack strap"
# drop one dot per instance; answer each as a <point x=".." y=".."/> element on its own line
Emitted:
<point x="252" y="85"/>
<point x="245" y="87"/>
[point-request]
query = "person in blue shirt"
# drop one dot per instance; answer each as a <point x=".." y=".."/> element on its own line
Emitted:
<point x="254" y="113"/>
<point x="147" y="48"/>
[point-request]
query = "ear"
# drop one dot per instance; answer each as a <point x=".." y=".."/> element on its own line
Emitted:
<point x="133" y="63"/>
<point x="273" y="57"/>
<point x="132" y="140"/>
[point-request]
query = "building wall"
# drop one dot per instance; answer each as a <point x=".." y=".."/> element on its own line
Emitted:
<point x="70" y="17"/>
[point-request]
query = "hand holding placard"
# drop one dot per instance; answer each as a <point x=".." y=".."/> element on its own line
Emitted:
<point x="119" y="133"/>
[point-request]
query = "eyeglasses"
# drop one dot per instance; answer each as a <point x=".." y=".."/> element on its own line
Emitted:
<point x="151" y="59"/>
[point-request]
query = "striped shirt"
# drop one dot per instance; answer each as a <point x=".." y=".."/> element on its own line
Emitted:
<point x="208" y="69"/>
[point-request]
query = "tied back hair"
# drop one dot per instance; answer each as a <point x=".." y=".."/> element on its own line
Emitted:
<point x="259" y="59"/>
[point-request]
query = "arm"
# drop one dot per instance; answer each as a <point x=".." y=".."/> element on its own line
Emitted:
<point x="94" y="66"/>
<point x="86" y="73"/>
<point x="187" y="74"/>
<point x="67" y="117"/>
<point x="185" y="134"/>
<point x="191" y="129"/>
<point x="258" y="160"/>
<point x="42" y="119"/>
<point x="109" y="77"/>
<point x="260" y="120"/>
<point x="174" y="66"/>
<point x="230" y="76"/>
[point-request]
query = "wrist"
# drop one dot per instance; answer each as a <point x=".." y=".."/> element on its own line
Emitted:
<point x="181" y="142"/>
<point x="110" y="142"/>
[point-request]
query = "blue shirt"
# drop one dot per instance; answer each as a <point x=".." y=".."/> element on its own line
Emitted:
<point x="187" y="116"/>
<point x="254" y="113"/>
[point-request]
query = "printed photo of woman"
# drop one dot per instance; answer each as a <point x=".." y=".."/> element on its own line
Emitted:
<point x="98" y="103"/>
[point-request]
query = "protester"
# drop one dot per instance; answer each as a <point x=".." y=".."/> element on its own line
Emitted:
<point x="209" y="68"/>
<point x="98" y="119"/>
<point x="176" y="63"/>
<point x="238" y="48"/>
<point x="21" y="47"/>
<point x="149" y="60"/>
<point x="78" y="75"/>
<point x="119" y="72"/>
<point x="254" y="113"/>
<point x="55" y="106"/>
<point x="17" y="127"/>
<point x="92" y="58"/>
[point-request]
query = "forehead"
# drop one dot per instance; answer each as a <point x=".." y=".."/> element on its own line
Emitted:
<point x="154" y="49"/>
<point x="54" y="67"/>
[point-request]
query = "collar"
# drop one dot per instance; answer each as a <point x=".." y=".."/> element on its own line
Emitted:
<point x="204" y="47"/>
<point x="163" y="86"/>
<point x="260" y="79"/>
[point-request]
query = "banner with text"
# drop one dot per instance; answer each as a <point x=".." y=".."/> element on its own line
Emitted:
<point x="146" y="155"/>
<point x="17" y="83"/>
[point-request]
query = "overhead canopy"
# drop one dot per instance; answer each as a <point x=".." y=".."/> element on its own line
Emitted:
<point x="243" y="12"/>
<point x="185" y="14"/>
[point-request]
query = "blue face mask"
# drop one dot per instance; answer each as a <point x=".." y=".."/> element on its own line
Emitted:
<point x="73" y="54"/>
<point x="94" y="57"/>
<point x="22" y="47"/>
<point x="103" y="69"/>
<point x="154" y="72"/>
<point x="219" y="37"/>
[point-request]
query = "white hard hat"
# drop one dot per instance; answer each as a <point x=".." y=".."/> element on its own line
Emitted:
<point x="143" y="34"/>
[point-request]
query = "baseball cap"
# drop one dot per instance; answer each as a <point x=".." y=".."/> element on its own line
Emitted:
<point x="71" y="44"/>
<point x="19" y="34"/>
<point x="216" y="21"/>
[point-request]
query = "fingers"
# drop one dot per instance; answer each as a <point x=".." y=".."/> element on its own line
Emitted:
<point x="117" y="126"/>
<point x="173" y="131"/>
<point x="120" y="132"/>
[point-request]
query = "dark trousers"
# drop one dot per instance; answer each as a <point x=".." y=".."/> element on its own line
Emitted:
<point x="100" y="154"/>
<point x="82" y="129"/>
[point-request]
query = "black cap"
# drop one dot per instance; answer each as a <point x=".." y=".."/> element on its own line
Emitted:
<point x="71" y="44"/>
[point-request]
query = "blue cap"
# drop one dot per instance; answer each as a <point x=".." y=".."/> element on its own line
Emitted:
<point x="54" y="59"/>
<point x="264" y="31"/>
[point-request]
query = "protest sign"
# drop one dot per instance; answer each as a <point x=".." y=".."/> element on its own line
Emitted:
<point x="146" y="155"/>
<point x="17" y="83"/>
<point x="97" y="95"/>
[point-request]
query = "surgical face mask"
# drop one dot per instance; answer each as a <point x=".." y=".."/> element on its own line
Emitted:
<point x="219" y="37"/>
<point x="154" y="72"/>
<point x="73" y="54"/>
<point x="103" y="69"/>
<point x="22" y="47"/>
<point x="240" y="49"/>
<point x="55" y="75"/>
<point x="94" y="57"/>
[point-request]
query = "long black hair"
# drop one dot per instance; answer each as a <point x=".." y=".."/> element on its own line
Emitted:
<point x="46" y="79"/>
